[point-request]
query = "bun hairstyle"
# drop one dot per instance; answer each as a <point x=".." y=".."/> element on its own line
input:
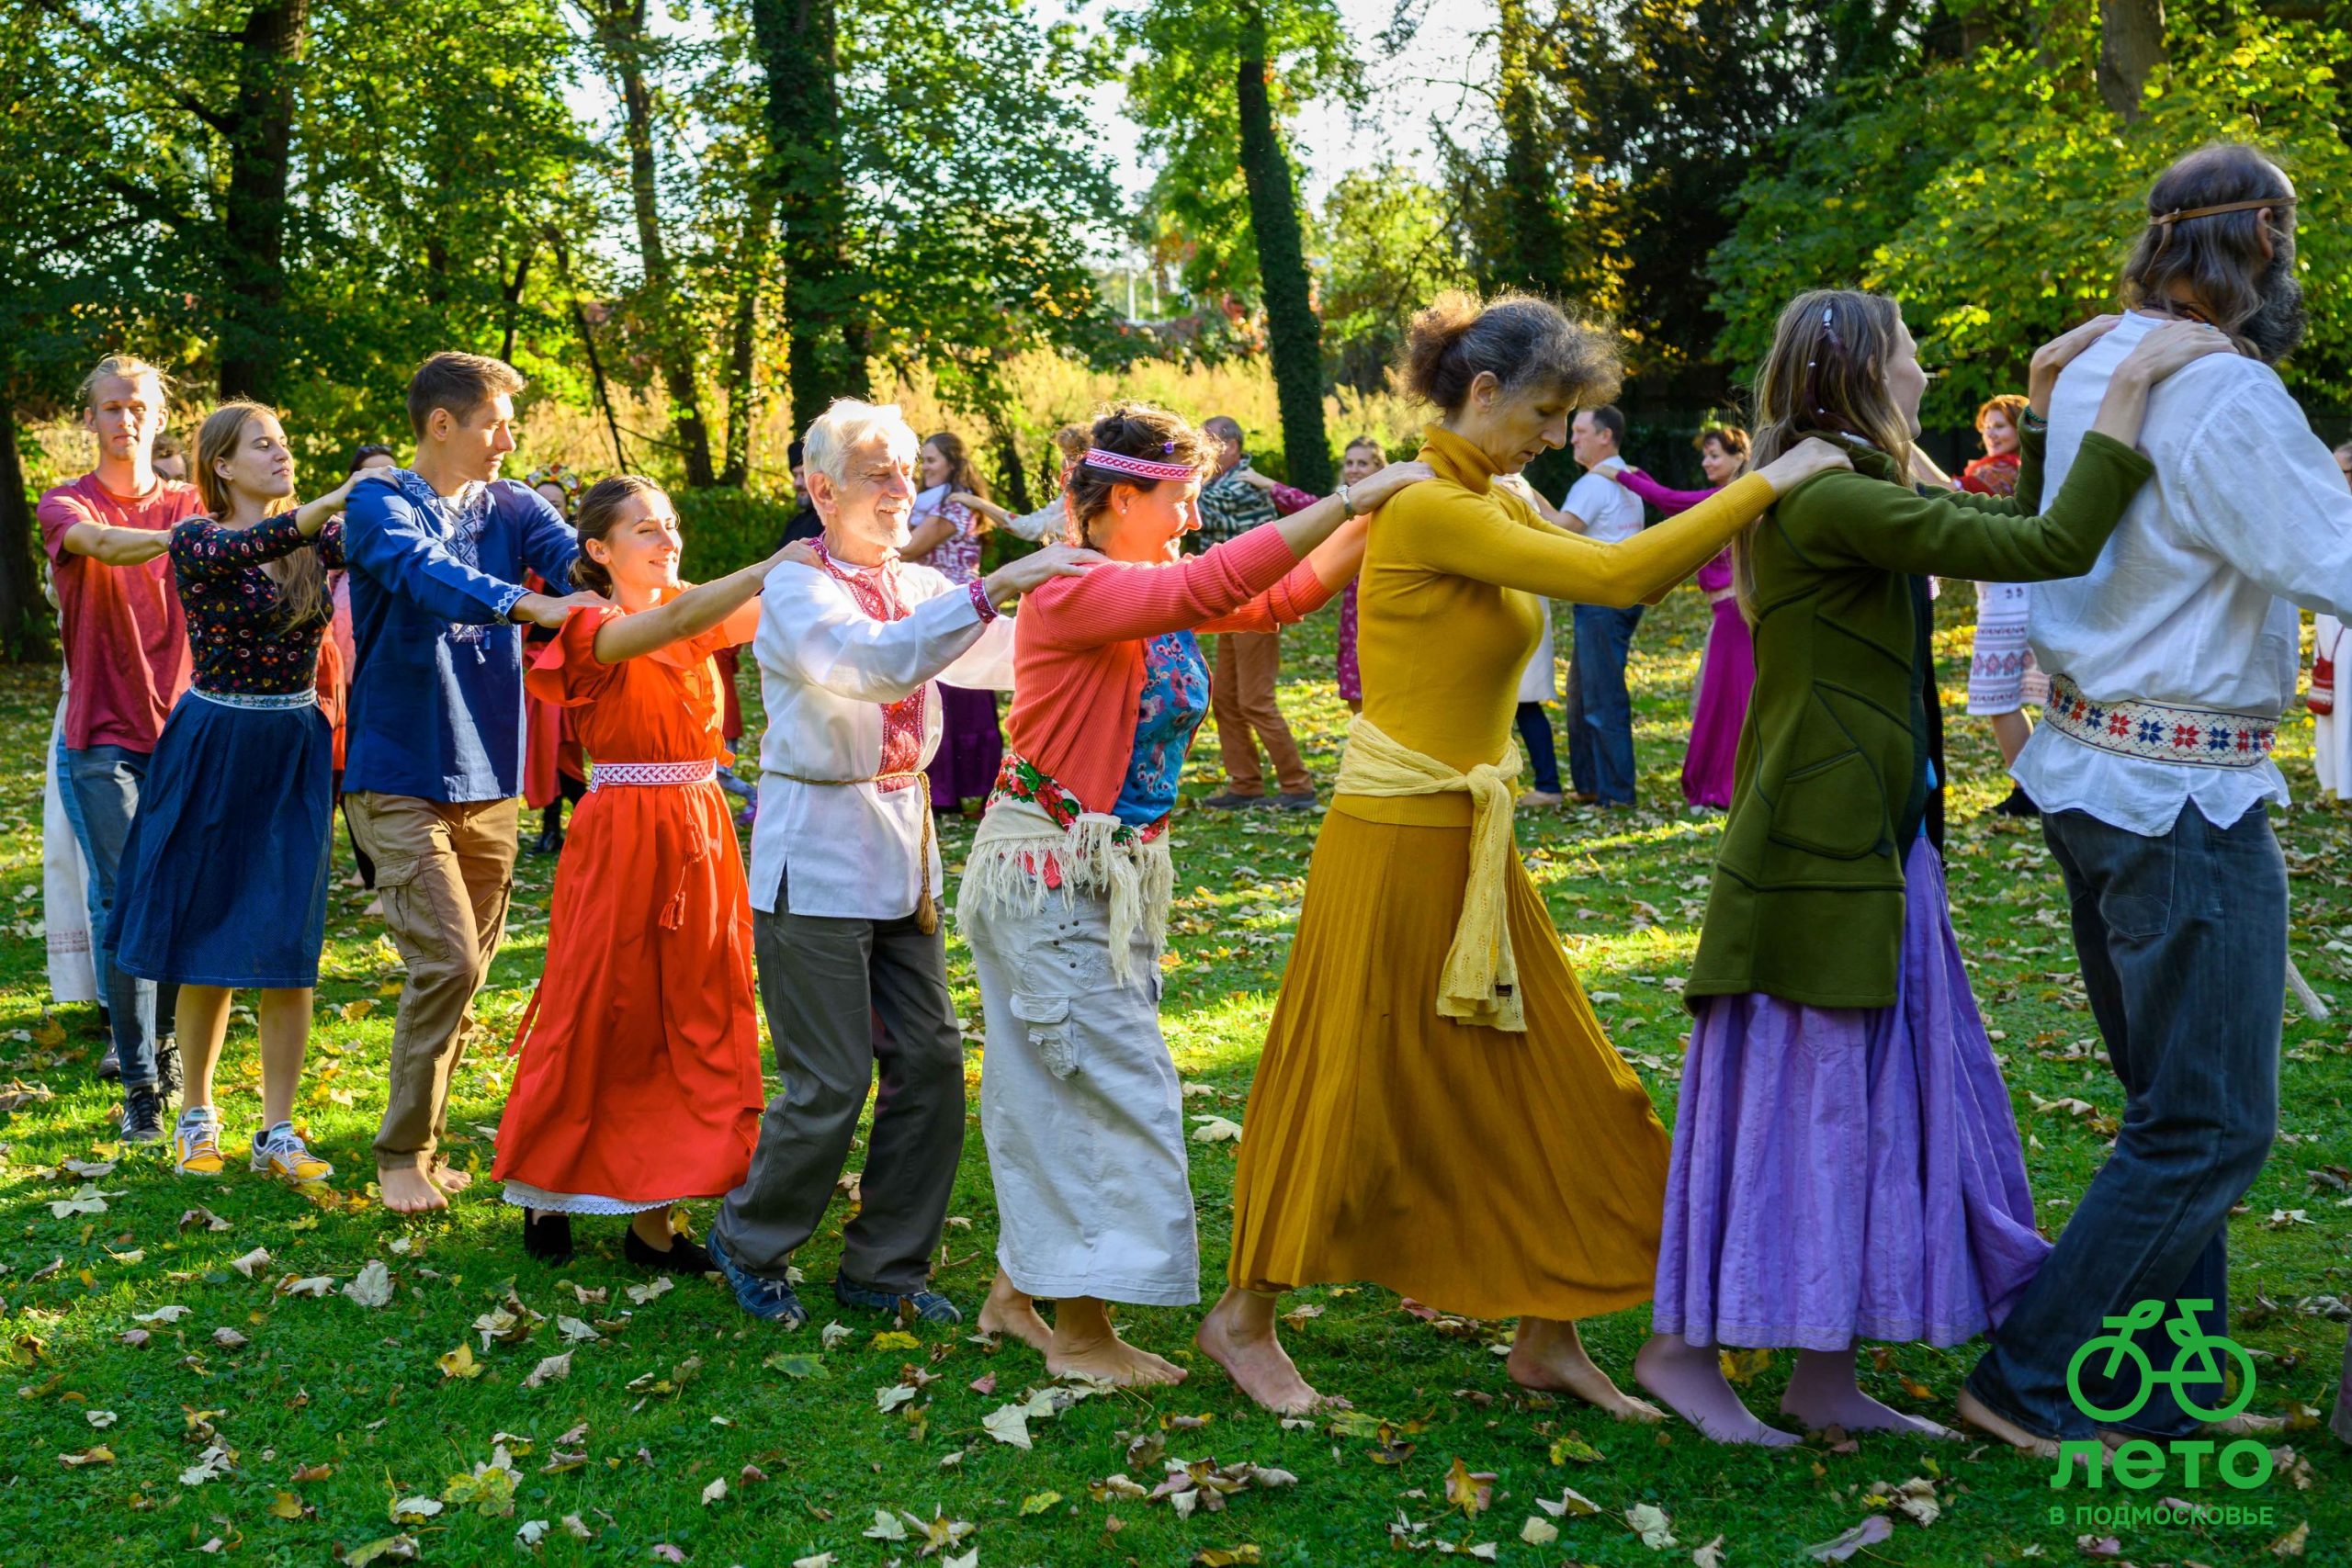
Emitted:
<point x="1523" y="341"/>
<point x="599" y="510"/>
<point x="301" y="576"/>
<point x="1132" y="430"/>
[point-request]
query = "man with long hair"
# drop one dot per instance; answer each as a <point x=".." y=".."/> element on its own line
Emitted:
<point x="2169" y="666"/>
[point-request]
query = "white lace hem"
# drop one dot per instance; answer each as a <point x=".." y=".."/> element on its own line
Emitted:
<point x="523" y="1195"/>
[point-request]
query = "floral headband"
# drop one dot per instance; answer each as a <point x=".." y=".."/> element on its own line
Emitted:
<point x="555" y="474"/>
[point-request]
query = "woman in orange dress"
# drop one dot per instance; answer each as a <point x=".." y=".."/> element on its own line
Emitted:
<point x="640" y="1081"/>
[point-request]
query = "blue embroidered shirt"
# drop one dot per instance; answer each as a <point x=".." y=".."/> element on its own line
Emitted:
<point x="1175" y="699"/>
<point x="436" y="696"/>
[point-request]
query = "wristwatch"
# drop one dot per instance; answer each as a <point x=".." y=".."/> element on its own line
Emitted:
<point x="1344" y="502"/>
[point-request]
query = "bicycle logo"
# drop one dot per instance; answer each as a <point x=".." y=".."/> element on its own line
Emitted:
<point x="2204" y="1361"/>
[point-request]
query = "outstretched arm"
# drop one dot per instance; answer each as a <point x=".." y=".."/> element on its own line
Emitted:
<point x="695" y="611"/>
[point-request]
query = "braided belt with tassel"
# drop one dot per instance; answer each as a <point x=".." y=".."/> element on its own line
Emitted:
<point x="926" y="907"/>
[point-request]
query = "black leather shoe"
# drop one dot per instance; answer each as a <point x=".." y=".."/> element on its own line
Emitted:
<point x="685" y="1257"/>
<point x="547" y="1236"/>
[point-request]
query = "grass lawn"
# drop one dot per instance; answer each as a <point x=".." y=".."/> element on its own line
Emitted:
<point x="241" y="1414"/>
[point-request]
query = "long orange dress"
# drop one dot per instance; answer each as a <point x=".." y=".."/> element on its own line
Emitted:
<point x="639" y="1078"/>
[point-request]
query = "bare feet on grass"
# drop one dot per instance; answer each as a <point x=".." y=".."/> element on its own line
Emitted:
<point x="1690" y="1378"/>
<point x="407" y="1190"/>
<point x="1011" y="1314"/>
<point x="1823" y="1393"/>
<point x="1239" y="1334"/>
<point x="1549" y="1356"/>
<point x="450" y="1179"/>
<point x="1085" y="1345"/>
<point x="1977" y="1414"/>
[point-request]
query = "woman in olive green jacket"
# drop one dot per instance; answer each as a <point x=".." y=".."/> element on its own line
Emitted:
<point x="1845" y="1163"/>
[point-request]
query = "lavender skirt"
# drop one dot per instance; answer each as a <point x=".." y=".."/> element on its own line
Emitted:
<point x="1847" y="1173"/>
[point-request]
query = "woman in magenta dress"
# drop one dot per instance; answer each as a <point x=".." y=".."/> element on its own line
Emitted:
<point x="944" y="535"/>
<point x="1363" y="458"/>
<point x="1728" y="668"/>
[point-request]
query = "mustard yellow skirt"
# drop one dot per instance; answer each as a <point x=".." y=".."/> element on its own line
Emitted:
<point x="1488" y="1174"/>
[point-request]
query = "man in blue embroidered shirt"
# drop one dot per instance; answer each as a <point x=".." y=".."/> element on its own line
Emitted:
<point x="434" y="758"/>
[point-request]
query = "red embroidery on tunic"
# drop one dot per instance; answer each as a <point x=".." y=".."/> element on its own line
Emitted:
<point x="877" y="594"/>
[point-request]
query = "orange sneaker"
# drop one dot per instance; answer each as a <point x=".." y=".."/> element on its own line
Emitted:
<point x="196" y="1143"/>
<point x="281" y="1152"/>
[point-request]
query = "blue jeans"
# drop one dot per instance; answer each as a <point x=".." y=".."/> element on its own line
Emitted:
<point x="2183" y="945"/>
<point x="1601" y="713"/>
<point x="94" y="902"/>
<point x="104" y="782"/>
<point x="1535" y="739"/>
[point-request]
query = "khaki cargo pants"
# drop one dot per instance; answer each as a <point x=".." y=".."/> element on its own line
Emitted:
<point x="446" y="872"/>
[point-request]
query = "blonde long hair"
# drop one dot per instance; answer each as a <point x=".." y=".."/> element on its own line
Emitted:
<point x="301" y="576"/>
<point x="1825" y="373"/>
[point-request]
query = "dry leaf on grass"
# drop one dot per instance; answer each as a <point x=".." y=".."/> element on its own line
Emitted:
<point x="1649" y="1521"/>
<point x="552" y="1369"/>
<point x="373" y="1285"/>
<point x="459" y="1363"/>
<point x="258" y="1258"/>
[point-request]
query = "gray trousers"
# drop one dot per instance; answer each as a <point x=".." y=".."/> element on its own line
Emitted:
<point x="824" y="983"/>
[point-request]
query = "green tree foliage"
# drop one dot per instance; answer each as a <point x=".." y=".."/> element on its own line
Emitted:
<point x="1389" y="247"/>
<point x="1997" y="195"/>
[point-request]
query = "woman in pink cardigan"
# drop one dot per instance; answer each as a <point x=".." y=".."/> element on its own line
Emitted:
<point x="1065" y="893"/>
<point x="1728" y="668"/>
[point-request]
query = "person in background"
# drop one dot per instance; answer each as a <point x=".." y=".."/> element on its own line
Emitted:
<point x="437" y="555"/>
<point x="169" y="460"/>
<point x="555" y="773"/>
<point x="804" y="523"/>
<point x="2331" y="725"/>
<point x="2002" y="675"/>
<point x="944" y="535"/>
<point x="1600" y="710"/>
<point x="1727" y="668"/>
<point x="1539" y="683"/>
<point x="224" y="874"/>
<point x="1049" y="522"/>
<point x="127" y="656"/>
<point x="336" y="661"/>
<point x="1363" y="458"/>
<point x="1249" y="664"/>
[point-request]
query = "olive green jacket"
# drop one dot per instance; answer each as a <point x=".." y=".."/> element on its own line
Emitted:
<point x="1832" y="772"/>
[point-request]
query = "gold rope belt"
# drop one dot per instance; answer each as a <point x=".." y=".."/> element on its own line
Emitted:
<point x="926" y="908"/>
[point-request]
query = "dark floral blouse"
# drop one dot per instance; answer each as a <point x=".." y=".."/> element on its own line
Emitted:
<point x="236" y="619"/>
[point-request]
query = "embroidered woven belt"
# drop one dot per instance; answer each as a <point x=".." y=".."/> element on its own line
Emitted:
<point x="642" y="774"/>
<point x="2198" y="736"/>
<point x="306" y="698"/>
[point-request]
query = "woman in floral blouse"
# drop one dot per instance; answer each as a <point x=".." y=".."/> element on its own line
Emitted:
<point x="225" y="871"/>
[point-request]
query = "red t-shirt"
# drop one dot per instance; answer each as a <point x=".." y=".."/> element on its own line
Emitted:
<point x="126" y="641"/>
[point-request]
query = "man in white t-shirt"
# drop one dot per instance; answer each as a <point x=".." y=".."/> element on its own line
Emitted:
<point x="1601" y="713"/>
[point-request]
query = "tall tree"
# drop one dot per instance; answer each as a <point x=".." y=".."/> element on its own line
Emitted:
<point x="809" y="193"/>
<point x="1294" y="332"/>
<point x="2131" y="47"/>
<point x="1212" y="83"/>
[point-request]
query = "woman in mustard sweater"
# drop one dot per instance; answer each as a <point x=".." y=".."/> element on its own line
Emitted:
<point x="1846" y="1163"/>
<point x="1437" y="1109"/>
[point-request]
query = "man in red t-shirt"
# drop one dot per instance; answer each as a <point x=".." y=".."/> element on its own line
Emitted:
<point x="126" y="664"/>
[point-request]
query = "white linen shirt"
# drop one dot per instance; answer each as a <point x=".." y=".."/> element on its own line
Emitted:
<point x="2192" y="602"/>
<point x="826" y="668"/>
<point x="1611" y="513"/>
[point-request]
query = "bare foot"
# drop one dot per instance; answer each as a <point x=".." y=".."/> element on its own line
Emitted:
<point x="1975" y="1414"/>
<point x="1823" y="1393"/>
<point x="1690" y="1378"/>
<point x="1009" y="1311"/>
<point x="408" y="1191"/>
<point x="1550" y="1358"/>
<point x="1239" y="1334"/>
<point x="450" y="1179"/>
<point x="1112" y="1359"/>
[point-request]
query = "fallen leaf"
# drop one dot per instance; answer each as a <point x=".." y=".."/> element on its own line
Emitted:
<point x="372" y="1287"/>
<point x="822" y="1559"/>
<point x="1224" y="1556"/>
<point x="1573" y="1504"/>
<point x="391" y="1549"/>
<point x="1574" y="1448"/>
<point x="1869" y="1532"/>
<point x="575" y="1529"/>
<point x="2291" y="1543"/>
<point x="1539" y="1532"/>
<point x="202" y="1218"/>
<point x="414" y="1510"/>
<point x="258" y="1258"/>
<point x="1742" y="1366"/>
<point x="798" y="1366"/>
<point x="894" y="1339"/>
<point x="171" y="1313"/>
<point x="86" y="1200"/>
<point x="101" y="1419"/>
<point x="1038" y="1502"/>
<point x="1650" y="1523"/>
<point x="1008" y="1424"/>
<point x="1216" y="1130"/>
<point x="886" y="1526"/>
<point x="714" y="1492"/>
<point x="286" y="1506"/>
<point x="833" y="1336"/>
<point x="1471" y="1491"/>
<point x="641" y="1294"/>
<point x="461" y="1363"/>
<point x="98" y="1455"/>
<point x="1116" y="1488"/>
<point x="1709" y="1555"/>
<point x="530" y="1532"/>
<point x="552" y="1369"/>
<point x="575" y="1331"/>
<point x="229" y="1338"/>
<point x="212" y="1463"/>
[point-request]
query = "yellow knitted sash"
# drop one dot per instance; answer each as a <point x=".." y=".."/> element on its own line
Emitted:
<point x="1480" y="983"/>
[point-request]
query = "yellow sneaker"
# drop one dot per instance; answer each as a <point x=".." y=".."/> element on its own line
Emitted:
<point x="281" y="1152"/>
<point x="196" y="1143"/>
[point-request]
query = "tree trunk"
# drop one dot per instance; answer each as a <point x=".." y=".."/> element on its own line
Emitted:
<point x="22" y="617"/>
<point x="1535" y="246"/>
<point x="514" y="294"/>
<point x="1293" y="334"/>
<point x="823" y="302"/>
<point x="1009" y="464"/>
<point x="260" y="131"/>
<point x="2131" y="46"/>
<point x="588" y="344"/>
<point x="620" y="28"/>
<point x="743" y="348"/>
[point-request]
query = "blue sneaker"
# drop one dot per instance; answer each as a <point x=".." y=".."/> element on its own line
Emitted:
<point x="772" y="1301"/>
<point x="927" y="1306"/>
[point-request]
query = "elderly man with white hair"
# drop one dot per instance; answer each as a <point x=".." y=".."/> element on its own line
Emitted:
<point x="846" y="879"/>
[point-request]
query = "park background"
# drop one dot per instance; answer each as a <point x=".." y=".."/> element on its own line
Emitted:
<point x="689" y="225"/>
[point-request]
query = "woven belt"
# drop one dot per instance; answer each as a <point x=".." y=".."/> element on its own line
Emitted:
<point x="926" y="907"/>
<point x="2200" y="737"/>
<point x="643" y="773"/>
<point x="306" y="698"/>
